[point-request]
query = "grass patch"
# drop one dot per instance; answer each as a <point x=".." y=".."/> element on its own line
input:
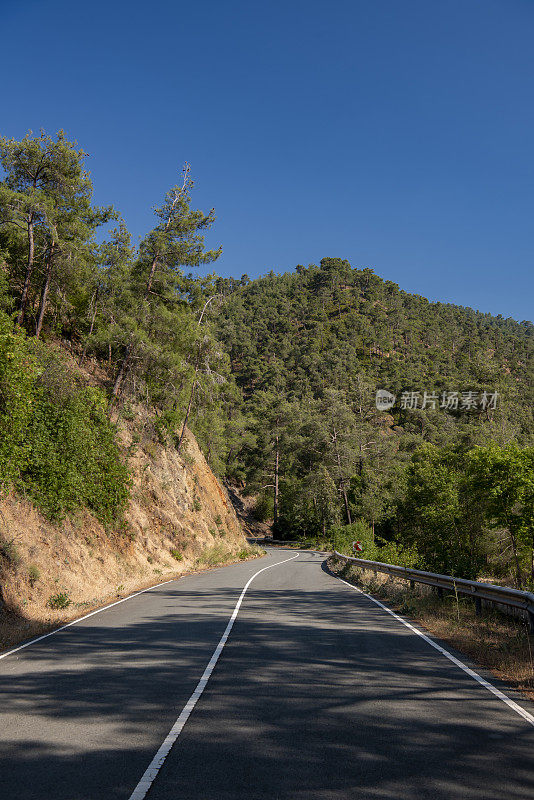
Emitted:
<point x="213" y="556"/>
<point x="220" y="554"/>
<point x="34" y="573"/>
<point x="10" y="552"/>
<point x="249" y="552"/>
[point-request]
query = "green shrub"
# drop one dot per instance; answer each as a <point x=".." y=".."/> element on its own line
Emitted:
<point x="177" y="555"/>
<point x="263" y="508"/>
<point x="197" y="505"/>
<point x="127" y="412"/>
<point x="60" y="600"/>
<point x="18" y="373"/>
<point x="133" y="446"/>
<point x="57" y="445"/>
<point x="34" y="573"/>
<point x="74" y="459"/>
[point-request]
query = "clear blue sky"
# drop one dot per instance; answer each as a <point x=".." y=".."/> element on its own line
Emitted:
<point x="398" y="134"/>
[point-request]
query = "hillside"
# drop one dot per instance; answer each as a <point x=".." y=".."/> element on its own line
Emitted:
<point x="319" y="327"/>
<point x="178" y="519"/>
<point x="309" y="349"/>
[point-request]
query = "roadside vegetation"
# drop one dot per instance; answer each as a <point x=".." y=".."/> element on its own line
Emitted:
<point x="220" y="554"/>
<point x="57" y="444"/>
<point x="466" y="513"/>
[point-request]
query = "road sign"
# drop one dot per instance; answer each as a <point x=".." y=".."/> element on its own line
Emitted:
<point x="357" y="547"/>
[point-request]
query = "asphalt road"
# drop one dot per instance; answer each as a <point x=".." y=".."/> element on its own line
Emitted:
<point x="318" y="693"/>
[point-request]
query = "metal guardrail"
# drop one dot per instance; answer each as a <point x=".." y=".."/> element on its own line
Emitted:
<point x="478" y="591"/>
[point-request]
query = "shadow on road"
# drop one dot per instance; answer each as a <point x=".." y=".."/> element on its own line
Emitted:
<point x="317" y="695"/>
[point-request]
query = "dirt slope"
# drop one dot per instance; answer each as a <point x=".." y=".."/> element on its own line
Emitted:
<point x="179" y="519"/>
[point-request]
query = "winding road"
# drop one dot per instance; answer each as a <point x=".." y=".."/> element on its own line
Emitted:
<point x="314" y="691"/>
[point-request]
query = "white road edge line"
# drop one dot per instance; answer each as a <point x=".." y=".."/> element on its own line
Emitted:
<point x="155" y="765"/>
<point x="486" y="684"/>
<point x="80" y="619"/>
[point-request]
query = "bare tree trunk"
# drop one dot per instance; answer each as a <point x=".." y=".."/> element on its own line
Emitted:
<point x="121" y="373"/>
<point x="46" y="287"/>
<point x="346" y="501"/>
<point x="29" y="270"/>
<point x="151" y="276"/>
<point x="276" y="467"/>
<point x="206" y="304"/>
<point x="518" y="572"/>
<point x="84" y="352"/>
<point x="341" y="480"/>
<point x="182" y="434"/>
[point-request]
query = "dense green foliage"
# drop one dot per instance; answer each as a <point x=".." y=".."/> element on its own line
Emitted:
<point x="57" y="445"/>
<point x="374" y="548"/>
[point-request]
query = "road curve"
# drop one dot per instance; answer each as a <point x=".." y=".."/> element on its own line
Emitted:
<point x="318" y="693"/>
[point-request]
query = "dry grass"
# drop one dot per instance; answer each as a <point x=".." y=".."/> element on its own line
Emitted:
<point x="494" y="640"/>
<point x="220" y="555"/>
<point x="16" y="626"/>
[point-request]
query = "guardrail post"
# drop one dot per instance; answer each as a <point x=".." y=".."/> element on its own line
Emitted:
<point x="478" y="606"/>
<point x="440" y="592"/>
<point x="412" y="584"/>
<point x="530" y="621"/>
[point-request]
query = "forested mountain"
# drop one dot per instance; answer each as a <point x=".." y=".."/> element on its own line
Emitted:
<point x="310" y="348"/>
<point x="318" y="327"/>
